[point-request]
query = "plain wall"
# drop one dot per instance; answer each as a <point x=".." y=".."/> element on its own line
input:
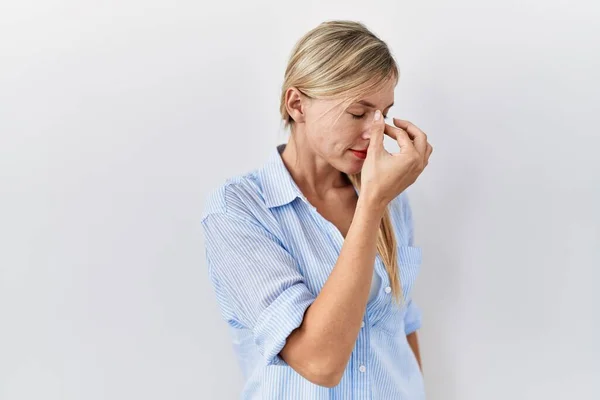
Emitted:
<point x="117" y="118"/>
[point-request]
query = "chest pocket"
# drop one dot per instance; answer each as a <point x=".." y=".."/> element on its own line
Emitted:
<point x="409" y="264"/>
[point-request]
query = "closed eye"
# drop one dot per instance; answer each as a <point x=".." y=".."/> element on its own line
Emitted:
<point x="361" y="116"/>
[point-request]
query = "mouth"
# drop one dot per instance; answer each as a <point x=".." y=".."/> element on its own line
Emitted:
<point x="361" y="154"/>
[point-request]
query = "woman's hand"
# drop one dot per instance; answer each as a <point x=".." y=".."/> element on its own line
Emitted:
<point x="385" y="175"/>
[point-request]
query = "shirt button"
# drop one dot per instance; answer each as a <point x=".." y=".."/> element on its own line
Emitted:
<point x="388" y="289"/>
<point x="362" y="324"/>
<point x="362" y="368"/>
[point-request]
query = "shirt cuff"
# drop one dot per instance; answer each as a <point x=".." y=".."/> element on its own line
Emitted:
<point x="412" y="318"/>
<point x="279" y="319"/>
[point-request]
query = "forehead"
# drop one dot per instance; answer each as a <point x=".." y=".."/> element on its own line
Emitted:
<point x="380" y="97"/>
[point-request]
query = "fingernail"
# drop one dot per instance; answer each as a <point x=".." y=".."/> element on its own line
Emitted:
<point x="377" y="115"/>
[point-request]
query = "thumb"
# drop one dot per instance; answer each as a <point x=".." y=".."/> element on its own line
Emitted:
<point x="377" y="128"/>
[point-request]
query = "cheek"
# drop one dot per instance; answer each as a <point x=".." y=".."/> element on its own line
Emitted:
<point x="357" y="132"/>
<point x="333" y="138"/>
<point x="321" y="140"/>
<point x="319" y="136"/>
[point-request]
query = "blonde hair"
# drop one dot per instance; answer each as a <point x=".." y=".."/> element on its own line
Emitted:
<point x="344" y="60"/>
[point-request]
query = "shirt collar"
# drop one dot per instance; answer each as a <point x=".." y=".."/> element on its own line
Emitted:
<point x="279" y="187"/>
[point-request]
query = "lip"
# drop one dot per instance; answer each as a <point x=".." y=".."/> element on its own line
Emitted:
<point x="359" y="154"/>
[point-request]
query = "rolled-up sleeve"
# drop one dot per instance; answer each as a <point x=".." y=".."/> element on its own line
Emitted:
<point x="257" y="281"/>
<point x="412" y="317"/>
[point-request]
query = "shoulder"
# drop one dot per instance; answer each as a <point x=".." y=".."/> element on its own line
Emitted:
<point x="240" y="196"/>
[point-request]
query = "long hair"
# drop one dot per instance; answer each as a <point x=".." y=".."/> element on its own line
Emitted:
<point x="344" y="60"/>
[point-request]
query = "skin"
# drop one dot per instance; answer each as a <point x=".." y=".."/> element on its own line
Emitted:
<point x="316" y="155"/>
<point x="318" y="151"/>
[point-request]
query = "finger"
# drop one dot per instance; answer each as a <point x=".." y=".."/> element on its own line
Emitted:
<point x="408" y="126"/>
<point x="401" y="136"/>
<point x="428" y="153"/>
<point x="376" y="140"/>
<point x="429" y="150"/>
<point x="392" y="131"/>
<point x="419" y="137"/>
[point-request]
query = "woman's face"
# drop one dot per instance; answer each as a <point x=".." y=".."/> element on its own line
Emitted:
<point x="334" y="140"/>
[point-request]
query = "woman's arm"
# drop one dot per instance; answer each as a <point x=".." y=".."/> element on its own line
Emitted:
<point x="413" y="341"/>
<point x="319" y="349"/>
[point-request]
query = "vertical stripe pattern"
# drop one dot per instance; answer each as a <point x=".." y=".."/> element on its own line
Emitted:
<point x="269" y="253"/>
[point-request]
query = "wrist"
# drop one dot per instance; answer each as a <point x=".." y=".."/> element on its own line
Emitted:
<point x="371" y="206"/>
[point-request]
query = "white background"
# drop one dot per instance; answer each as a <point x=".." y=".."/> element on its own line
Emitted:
<point x="118" y="117"/>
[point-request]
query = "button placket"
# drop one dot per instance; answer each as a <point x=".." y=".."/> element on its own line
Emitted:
<point x="376" y="308"/>
<point x="360" y="360"/>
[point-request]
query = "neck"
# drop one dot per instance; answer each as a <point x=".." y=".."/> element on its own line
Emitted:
<point x="313" y="174"/>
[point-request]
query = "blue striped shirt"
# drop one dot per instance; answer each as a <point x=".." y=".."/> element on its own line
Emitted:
<point x="269" y="253"/>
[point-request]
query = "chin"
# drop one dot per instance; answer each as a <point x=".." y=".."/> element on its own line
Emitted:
<point x="353" y="168"/>
<point x="350" y="166"/>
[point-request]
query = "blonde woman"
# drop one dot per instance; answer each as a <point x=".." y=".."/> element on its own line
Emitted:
<point x="311" y="255"/>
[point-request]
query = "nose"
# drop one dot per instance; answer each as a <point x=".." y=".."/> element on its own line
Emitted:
<point x="366" y="135"/>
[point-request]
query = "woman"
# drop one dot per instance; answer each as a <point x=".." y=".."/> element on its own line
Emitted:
<point x="312" y="256"/>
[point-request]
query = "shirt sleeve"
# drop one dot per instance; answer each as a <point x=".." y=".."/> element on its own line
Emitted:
<point x="413" y="314"/>
<point x="412" y="317"/>
<point x="257" y="281"/>
<point x="408" y="220"/>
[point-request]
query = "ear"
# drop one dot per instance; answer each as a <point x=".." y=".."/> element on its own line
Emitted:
<point x="296" y="103"/>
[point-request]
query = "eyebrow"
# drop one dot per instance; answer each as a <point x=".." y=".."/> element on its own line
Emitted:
<point x="366" y="103"/>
